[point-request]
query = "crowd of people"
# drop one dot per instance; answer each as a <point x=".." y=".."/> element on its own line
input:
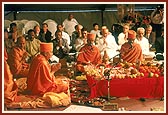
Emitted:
<point x="28" y="55"/>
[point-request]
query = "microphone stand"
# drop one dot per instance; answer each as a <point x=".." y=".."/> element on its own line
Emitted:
<point x="107" y="76"/>
<point x="109" y="106"/>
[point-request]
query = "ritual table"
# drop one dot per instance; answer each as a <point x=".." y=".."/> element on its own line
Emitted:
<point x="143" y="87"/>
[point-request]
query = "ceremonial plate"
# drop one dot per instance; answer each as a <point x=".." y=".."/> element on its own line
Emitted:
<point x="96" y="102"/>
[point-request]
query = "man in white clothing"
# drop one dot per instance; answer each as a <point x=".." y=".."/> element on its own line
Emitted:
<point x="107" y="43"/>
<point x="122" y="37"/>
<point x="143" y="42"/>
<point x="96" y="30"/>
<point x="81" y="41"/>
<point x="69" y="24"/>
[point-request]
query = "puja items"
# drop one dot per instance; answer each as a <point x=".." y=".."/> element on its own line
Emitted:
<point x="93" y="71"/>
<point x="70" y="73"/>
<point x="125" y="70"/>
<point x="79" y="91"/>
<point x="95" y="102"/>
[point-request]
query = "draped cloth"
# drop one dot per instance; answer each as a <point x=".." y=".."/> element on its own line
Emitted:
<point x="10" y="87"/>
<point x="40" y="80"/>
<point x="17" y="62"/>
<point x="88" y="54"/>
<point x="131" y="53"/>
<point x="48" y="100"/>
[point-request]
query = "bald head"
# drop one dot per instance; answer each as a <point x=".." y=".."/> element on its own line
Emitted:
<point x="105" y="32"/>
<point x="21" y="42"/>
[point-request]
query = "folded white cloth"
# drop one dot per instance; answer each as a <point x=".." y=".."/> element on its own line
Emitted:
<point x="54" y="58"/>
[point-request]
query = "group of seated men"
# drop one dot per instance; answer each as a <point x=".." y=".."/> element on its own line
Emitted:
<point x="91" y="49"/>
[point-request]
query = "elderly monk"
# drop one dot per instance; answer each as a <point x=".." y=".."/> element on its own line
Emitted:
<point x="17" y="59"/>
<point x="10" y="87"/>
<point x="131" y="51"/>
<point x="41" y="77"/>
<point x="89" y="53"/>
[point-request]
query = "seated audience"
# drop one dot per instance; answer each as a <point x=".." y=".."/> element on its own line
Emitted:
<point x="60" y="45"/>
<point x="69" y="24"/>
<point x="157" y="19"/>
<point x="13" y="35"/>
<point x="107" y="43"/>
<point x="41" y="77"/>
<point x="81" y="41"/>
<point x="17" y="59"/>
<point x="64" y="34"/>
<point x="142" y="41"/>
<point x="45" y="33"/>
<point x="90" y="54"/>
<point x="96" y="30"/>
<point x="159" y="46"/>
<point x="131" y="51"/>
<point x="32" y="44"/>
<point x="37" y="33"/>
<point x="146" y="20"/>
<point x="151" y="36"/>
<point x="122" y="37"/>
<point x="76" y="34"/>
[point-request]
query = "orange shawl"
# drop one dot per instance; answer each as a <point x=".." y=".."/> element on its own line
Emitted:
<point x="131" y="54"/>
<point x="39" y="78"/>
<point x="88" y="54"/>
<point x="10" y="87"/>
<point x="16" y="61"/>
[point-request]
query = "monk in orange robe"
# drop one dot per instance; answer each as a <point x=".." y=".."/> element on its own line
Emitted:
<point x="89" y="54"/>
<point x="17" y="59"/>
<point x="10" y="87"/>
<point x="41" y="77"/>
<point x="131" y="51"/>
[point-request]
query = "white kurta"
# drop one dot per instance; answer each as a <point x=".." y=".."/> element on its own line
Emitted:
<point x="121" y="39"/>
<point x="110" y="46"/>
<point x="69" y="25"/>
<point x="96" y="32"/>
<point x="66" y="37"/>
<point x="144" y="43"/>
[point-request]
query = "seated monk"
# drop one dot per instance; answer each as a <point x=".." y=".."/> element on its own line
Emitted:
<point x="10" y="87"/>
<point x="17" y="59"/>
<point x="89" y="54"/>
<point x="131" y="51"/>
<point x="41" y="77"/>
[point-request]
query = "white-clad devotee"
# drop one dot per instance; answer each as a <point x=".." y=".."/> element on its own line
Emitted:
<point x="96" y="30"/>
<point x="143" y="42"/>
<point x="107" y="43"/>
<point x="123" y="36"/>
<point x="69" y="24"/>
<point x="81" y="41"/>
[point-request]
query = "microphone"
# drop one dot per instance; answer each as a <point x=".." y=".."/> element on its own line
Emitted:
<point x="70" y="54"/>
